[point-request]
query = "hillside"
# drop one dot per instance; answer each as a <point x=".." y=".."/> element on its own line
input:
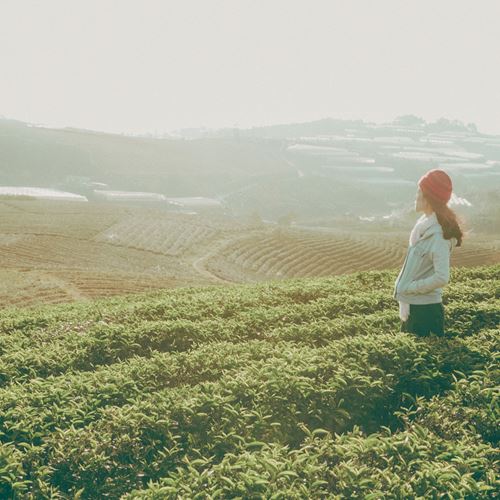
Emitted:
<point x="295" y="252"/>
<point x="71" y="158"/>
<point x="61" y="251"/>
<point x="298" y="389"/>
<point x="345" y="167"/>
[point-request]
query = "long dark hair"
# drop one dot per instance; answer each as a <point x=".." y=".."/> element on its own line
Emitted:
<point x="447" y="218"/>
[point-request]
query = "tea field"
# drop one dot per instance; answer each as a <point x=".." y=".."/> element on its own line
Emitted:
<point x="303" y="388"/>
<point x="55" y="252"/>
<point x="305" y="254"/>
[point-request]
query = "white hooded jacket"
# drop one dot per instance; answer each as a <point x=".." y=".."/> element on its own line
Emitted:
<point x="427" y="266"/>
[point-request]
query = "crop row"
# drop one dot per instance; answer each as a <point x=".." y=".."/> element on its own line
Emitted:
<point x="162" y="236"/>
<point x="351" y="465"/>
<point x="437" y="454"/>
<point x="254" y="317"/>
<point x="110" y="344"/>
<point x="216" y="302"/>
<point x="185" y="303"/>
<point x="315" y="256"/>
<point x="30" y="292"/>
<point x="200" y="304"/>
<point x="297" y="256"/>
<point x="62" y="397"/>
<point x="22" y="358"/>
<point x="31" y="410"/>
<point x="357" y="381"/>
<point x="410" y="464"/>
<point x="248" y="366"/>
<point x="62" y="218"/>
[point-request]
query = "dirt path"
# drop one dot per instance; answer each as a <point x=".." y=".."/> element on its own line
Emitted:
<point x="66" y="287"/>
<point x="201" y="269"/>
<point x="215" y="247"/>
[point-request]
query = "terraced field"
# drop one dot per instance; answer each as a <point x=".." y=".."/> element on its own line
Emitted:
<point x="298" y="389"/>
<point x="55" y="252"/>
<point x="31" y="287"/>
<point x="293" y="253"/>
<point x="63" y="218"/>
<point x="171" y="235"/>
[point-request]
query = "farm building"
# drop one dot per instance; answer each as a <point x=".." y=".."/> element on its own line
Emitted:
<point x="196" y="204"/>
<point x="40" y="193"/>
<point x="128" y="196"/>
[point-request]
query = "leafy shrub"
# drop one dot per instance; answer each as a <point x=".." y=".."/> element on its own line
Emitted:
<point x="295" y="389"/>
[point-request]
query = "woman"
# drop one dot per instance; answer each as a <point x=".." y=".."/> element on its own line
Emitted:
<point x="426" y="269"/>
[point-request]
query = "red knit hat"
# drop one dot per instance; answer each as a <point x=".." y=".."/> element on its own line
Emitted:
<point x="436" y="183"/>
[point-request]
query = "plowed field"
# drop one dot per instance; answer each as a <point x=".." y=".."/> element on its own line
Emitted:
<point x="290" y="254"/>
<point x="52" y="252"/>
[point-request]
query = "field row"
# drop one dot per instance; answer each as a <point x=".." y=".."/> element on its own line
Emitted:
<point x="354" y="465"/>
<point x="85" y="346"/>
<point x="162" y="236"/>
<point x="201" y="304"/>
<point x="300" y="389"/>
<point x="54" y="252"/>
<point x="361" y="381"/>
<point x="36" y="407"/>
<point x="102" y="343"/>
<point x="70" y="219"/>
<point x="27" y="287"/>
<point x="285" y="256"/>
<point x="273" y="257"/>
<point x="263" y="305"/>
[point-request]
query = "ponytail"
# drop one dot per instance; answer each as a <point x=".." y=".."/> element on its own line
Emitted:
<point x="447" y="218"/>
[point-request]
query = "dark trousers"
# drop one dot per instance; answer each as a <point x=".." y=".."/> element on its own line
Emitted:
<point x="425" y="319"/>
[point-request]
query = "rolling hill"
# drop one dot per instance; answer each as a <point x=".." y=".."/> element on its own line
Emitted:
<point x="346" y="167"/>
<point x="62" y="251"/>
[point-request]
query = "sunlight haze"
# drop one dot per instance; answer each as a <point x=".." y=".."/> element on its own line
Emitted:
<point x="156" y="66"/>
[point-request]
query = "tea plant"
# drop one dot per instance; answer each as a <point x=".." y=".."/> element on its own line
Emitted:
<point x="299" y="389"/>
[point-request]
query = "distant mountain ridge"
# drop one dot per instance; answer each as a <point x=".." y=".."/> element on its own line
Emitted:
<point x="313" y="169"/>
<point x="329" y="126"/>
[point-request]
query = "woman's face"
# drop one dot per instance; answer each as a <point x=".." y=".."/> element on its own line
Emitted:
<point x="421" y="203"/>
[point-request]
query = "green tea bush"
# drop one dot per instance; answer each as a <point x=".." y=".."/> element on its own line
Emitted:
<point x="291" y="389"/>
<point x="359" y="381"/>
<point x="12" y="475"/>
<point x="471" y="408"/>
<point x="407" y="464"/>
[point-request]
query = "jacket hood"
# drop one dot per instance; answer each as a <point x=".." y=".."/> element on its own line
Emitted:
<point x="436" y="229"/>
<point x="432" y="229"/>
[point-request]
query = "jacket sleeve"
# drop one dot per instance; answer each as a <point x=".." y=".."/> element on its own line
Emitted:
<point x="441" y="260"/>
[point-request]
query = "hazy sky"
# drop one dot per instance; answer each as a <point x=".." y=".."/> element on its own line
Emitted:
<point x="146" y="65"/>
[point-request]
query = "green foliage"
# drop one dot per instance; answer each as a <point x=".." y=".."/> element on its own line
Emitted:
<point x="12" y="475"/>
<point x="408" y="464"/>
<point x="297" y="389"/>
